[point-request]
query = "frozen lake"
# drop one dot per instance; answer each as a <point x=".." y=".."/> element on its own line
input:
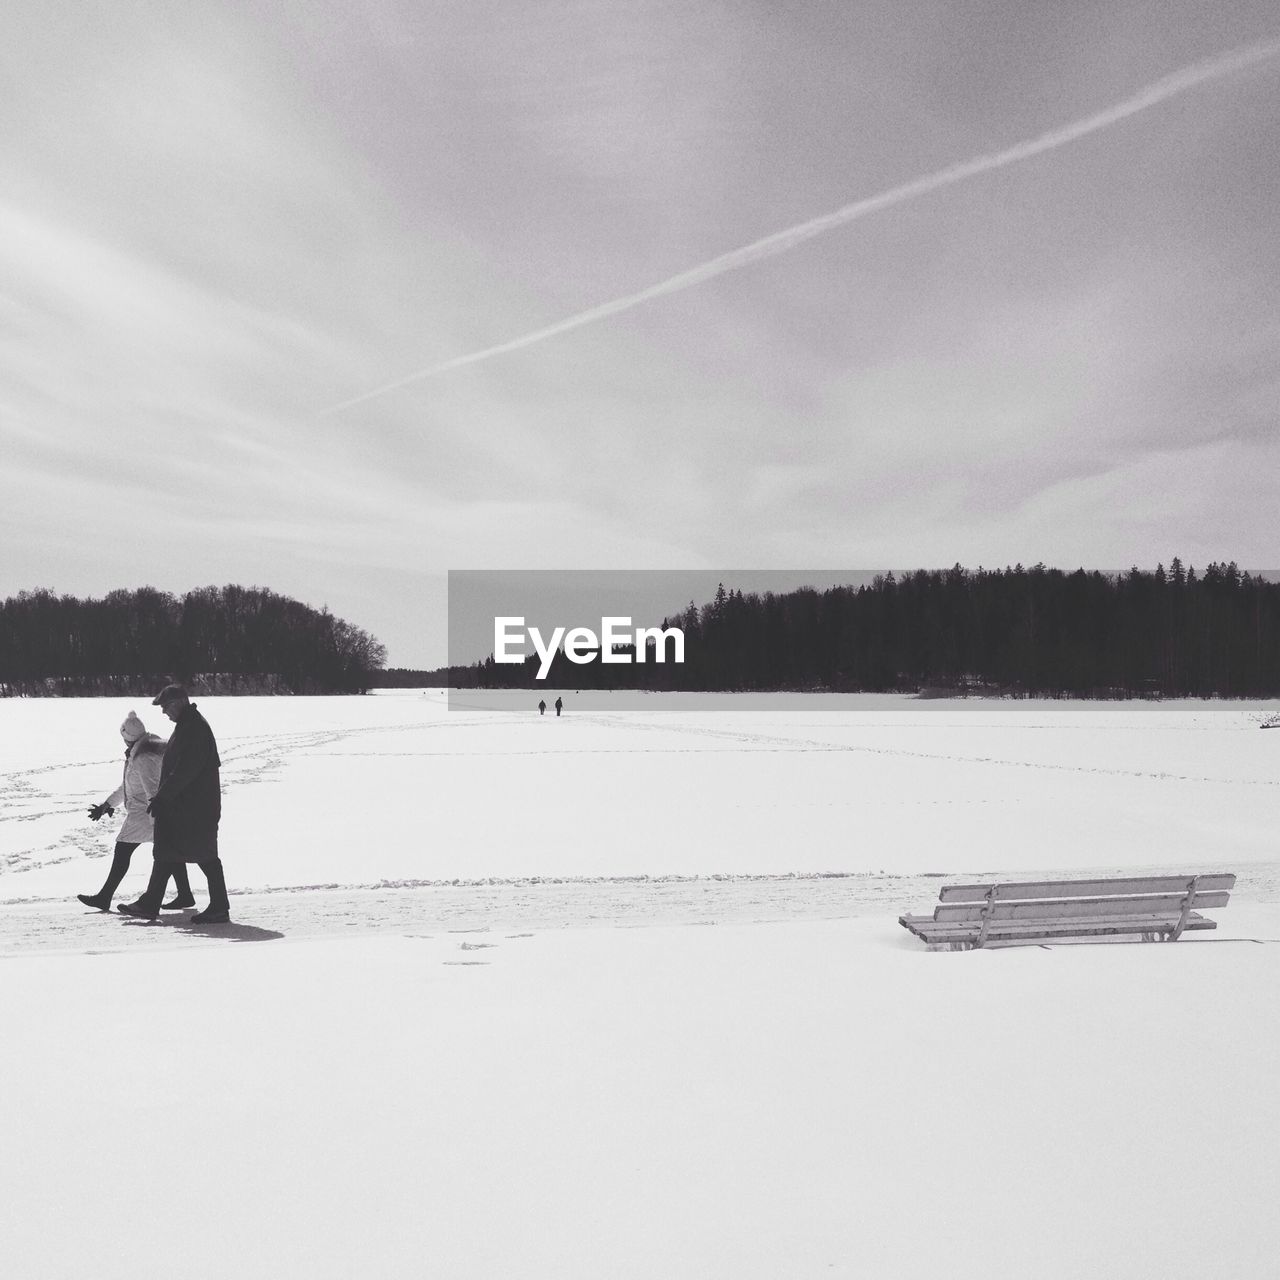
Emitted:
<point x="624" y="994"/>
<point x="358" y="791"/>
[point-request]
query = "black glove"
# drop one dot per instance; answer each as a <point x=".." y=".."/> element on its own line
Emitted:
<point x="154" y="805"/>
<point x="97" y="810"/>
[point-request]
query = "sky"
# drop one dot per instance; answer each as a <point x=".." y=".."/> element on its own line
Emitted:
<point x="334" y="298"/>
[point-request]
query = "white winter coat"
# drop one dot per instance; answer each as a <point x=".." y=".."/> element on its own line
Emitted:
<point x="137" y="786"/>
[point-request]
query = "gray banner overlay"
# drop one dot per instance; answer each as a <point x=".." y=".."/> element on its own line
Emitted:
<point x="756" y="639"/>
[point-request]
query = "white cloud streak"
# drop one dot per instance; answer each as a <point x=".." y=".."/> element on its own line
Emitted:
<point x="1181" y="81"/>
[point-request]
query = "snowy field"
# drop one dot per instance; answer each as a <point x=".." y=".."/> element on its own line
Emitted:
<point x="623" y="994"/>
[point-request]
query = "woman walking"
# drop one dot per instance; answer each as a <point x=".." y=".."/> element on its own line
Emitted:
<point x="143" y="753"/>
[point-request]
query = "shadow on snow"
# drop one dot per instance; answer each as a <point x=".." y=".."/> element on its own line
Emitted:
<point x="232" y="932"/>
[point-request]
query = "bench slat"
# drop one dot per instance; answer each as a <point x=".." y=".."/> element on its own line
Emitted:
<point x="930" y="930"/>
<point x="972" y="926"/>
<point x="1036" y="909"/>
<point x="1084" y="888"/>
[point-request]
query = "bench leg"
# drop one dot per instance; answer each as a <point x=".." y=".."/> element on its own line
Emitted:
<point x="1186" y="908"/>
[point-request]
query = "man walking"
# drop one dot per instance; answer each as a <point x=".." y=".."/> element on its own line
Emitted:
<point x="187" y="806"/>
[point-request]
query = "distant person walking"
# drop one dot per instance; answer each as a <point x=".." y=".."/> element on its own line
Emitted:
<point x="186" y="807"/>
<point x="143" y="752"/>
<point x="542" y="707"/>
<point x="559" y="707"/>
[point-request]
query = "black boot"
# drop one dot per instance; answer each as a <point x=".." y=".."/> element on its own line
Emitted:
<point x="119" y="867"/>
<point x="148" y="906"/>
<point x="140" y="908"/>
<point x="182" y="896"/>
<point x="219" y="909"/>
<point x="210" y="916"/>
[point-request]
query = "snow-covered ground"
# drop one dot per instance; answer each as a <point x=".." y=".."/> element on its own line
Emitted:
<point x="623" y="994"/>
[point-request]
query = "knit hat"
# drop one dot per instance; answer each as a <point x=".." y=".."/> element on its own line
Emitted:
<point x="132" y="728"/>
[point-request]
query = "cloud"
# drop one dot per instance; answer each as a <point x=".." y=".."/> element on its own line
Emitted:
<point x="1152" y="95"/>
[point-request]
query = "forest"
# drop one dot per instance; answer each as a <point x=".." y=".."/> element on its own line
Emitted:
<point x="228" y="639"/>
<point x="1016" y="631"/>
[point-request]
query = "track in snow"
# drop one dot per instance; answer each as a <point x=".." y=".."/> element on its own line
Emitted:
<point x="433" y="908"/>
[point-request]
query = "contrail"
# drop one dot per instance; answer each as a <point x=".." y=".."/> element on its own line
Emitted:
<point x="780" y="241"/>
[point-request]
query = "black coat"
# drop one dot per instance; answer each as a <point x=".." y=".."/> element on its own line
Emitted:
<point x="188" y="803"/>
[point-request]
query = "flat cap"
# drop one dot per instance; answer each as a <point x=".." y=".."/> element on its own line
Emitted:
<point x="169" y="691"/>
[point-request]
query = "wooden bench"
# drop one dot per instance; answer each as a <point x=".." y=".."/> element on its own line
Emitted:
<point x="1006" y="914"/>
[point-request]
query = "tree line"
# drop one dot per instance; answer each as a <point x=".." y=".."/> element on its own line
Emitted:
<point x="1027" y="632"/>
<point x="232" y="638"/>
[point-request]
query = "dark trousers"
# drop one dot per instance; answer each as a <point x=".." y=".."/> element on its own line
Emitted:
<point x="120" y="865"/>
<point x="161" y="871"/>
